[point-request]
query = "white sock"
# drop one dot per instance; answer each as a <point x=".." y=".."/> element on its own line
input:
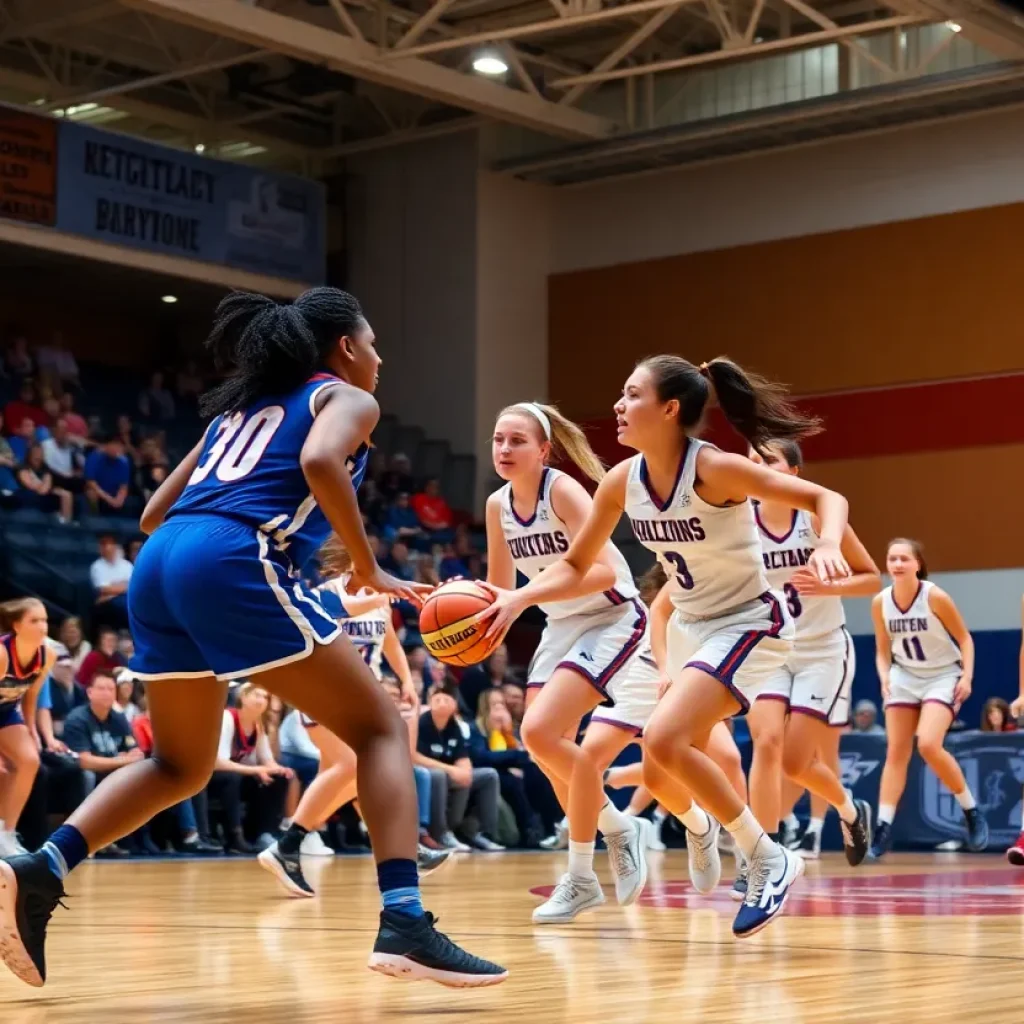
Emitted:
<point x="581" y="860"/>
<point x="886" y="814"/>
<point x="814" y="826"/>
<point x="966" y="799"/>
<point x="660" y="814"/>
<point x="564" y="823"/>
<point x="749" y="836"/>
<point x="612" y="820"/>
<point x="848" y="812"/>
<point x="695" y="820"/>
<point x="792" y="821"/>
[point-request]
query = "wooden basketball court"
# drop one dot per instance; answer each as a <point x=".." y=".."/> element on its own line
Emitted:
<point x="917" y="939"/>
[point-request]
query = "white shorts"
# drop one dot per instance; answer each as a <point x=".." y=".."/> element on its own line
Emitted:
<point x="744" y="651"/>
<point x="817" y="677"/>
<point x="603" y="648"/>
<point x="909" y="691"/>
<point x="636" y="695"/>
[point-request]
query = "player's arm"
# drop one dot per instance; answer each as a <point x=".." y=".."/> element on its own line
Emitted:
<point x="864" y="579"/>
<point x="30" y="701"/>
<point x="396" y="659"/>
<point x="661" y="611"/>
<point x="883" y="645"/>
<point x="564" y="577"/>
<point x="731" y="478"/>
<point x="948" y="614"/>
<point x="345" y="419"/>
<point x="501" y="569"/>
<point x="170" y="490"/>
<point x="572" y="504"/>
<point x="1017" y="708"/>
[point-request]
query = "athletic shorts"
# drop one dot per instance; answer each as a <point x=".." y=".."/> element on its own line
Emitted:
<point x="210" y="595"/>
<point x="744" y="650"/>
<point x="602" y="647"/>
<point x="10" y="714"/>
<point x="636" y="696"/>
<point x="909" y="691"/>
<point x="817" y="677"/>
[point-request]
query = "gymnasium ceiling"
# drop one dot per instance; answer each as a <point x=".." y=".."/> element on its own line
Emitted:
<point x="593" y="87"/>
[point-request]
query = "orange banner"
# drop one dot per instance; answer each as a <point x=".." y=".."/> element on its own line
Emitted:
<point x="28" y="167"/>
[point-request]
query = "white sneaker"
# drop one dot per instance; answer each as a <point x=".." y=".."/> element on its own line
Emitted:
<point x="314" y="846"/>
<point x="559" y="840"/>
<point x="770" y="880"/>
<point x="705" y="860"/>
<point x="571" y="897"/>
<point x="450" y="842"/>
<point x="652" y="836"/>
<point x="627" y="856"/>
<point x="9" y="844"/>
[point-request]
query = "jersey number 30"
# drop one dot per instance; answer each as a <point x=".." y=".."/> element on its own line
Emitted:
<point x="240" y="445"/>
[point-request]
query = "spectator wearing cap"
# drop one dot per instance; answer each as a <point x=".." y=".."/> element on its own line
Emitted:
<point x="865" y="719"/>
<point x="105" y="658"/>
<point x="110" y="575"/>
<point x="108" y="474"/>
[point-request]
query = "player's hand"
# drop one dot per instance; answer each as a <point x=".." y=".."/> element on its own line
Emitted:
<point x="384" y="583"/>
<point x="807" y="582"/>
<point x="1017" y="707"/>
<point x="885" y="690"/>
<point x="506" y="608"/>
<point x="962" y="690"/>
<point x="827" y="562"/>
<point x="409" y="694"/>
<point x="57" y="747"/>
<point x="664" y="684"/>
<point x="264" y="776"/>
<point x="134" y="755"/>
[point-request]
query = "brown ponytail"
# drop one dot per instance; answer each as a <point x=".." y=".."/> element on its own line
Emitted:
<point x="917" y="549"/>
<point x="758" y="409"/>
<point x="335" y="560"/>
<point x="568" y="441"/>
<point x="651" y="582"/>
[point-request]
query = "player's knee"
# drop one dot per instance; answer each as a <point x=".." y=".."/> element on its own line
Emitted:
<point x="538" y="735"/>
<point x="663" y="743"/>
<point x="28" y="759"/>
<point x="768" y="744"/>
<point x="929" y="747"/>
<point x="795" y="760"/>
<point x="187" y="776"/>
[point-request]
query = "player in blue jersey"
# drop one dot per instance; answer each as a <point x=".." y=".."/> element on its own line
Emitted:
<point x="217" y="593"/>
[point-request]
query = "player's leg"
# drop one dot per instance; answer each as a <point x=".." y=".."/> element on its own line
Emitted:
<point x="767" y="723"/>
<point x="932" y="726"/>
<point x="335" y="687"/>
<point x="790" y="825"/>
<point x="900" y="725"/>
<point x="19" y="750"/>
<point x="721" y="748"/>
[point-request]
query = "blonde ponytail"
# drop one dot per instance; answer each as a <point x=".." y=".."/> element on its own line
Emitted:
<point x="568" y="441"/>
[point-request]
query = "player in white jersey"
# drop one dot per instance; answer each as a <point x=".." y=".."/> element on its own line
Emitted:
<point x="924" y="654"/>
<point x="689" y="503"/>
<point x="594" y="655"/>
<point x="366" y="620"/>
<point x="814" y="683"/>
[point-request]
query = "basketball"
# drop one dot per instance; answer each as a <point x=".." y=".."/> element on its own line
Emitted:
<point x="446" y="623"/>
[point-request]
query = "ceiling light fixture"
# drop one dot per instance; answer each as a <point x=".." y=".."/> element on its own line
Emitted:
<point x="489" y="63"/>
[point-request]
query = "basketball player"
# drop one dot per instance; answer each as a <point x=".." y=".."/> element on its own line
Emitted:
<point x="217" y="594"/>
<point x="25" y="662"/>
<point x="814" y="683"/>
<point x="925" y="659"/>
<point x="690" y="504"/>
<point x="595" y="651"/>
<point x="1015" y="854"/>
<point x="365" y="619"/>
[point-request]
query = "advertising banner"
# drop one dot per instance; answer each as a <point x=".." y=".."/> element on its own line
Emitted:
<point x="28" y="167"/>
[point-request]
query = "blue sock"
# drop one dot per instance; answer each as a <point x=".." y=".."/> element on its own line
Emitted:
<point x="400" y="887"/>
<point x="65" y="850"/>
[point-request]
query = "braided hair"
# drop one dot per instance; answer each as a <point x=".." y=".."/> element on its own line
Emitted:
<point x="272" y="348"/>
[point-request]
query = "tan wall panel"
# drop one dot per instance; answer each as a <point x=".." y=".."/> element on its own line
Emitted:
<point x="927" y="299"/>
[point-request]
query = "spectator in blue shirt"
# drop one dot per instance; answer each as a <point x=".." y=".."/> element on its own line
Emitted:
<point x="23" y="438"/>
<point x="107" y="476"/>
<point x="402" y="522"/>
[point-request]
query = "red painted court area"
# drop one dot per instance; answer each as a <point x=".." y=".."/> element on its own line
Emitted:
<point x="981" y="891"/>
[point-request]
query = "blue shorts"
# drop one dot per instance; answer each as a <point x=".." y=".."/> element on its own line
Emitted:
<point x="10" y="714"/>
<point x="210" y="595"/>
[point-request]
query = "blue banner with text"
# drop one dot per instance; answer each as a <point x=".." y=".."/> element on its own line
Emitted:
<point x="125" y="191"/>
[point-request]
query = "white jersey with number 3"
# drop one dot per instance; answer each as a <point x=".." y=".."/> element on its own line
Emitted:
<point x="711" y="553"/>
<point x="921" y="644"/>
<point x="813" y="616"/>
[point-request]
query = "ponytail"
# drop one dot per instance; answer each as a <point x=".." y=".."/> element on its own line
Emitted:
<point x="272" y="349"/>
<point x="917" y="549"/>
<point x="651" y="582"/>
<point x="759" y="410"/>
<point x="567" y="439"/>
<point x="12" y="612"/>
<point x="335" y="560"/>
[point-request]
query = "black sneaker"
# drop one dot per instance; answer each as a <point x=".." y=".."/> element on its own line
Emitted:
<point x="29" y="894"/>
<point x="882" y="842"/>
<point x="285" y="867"/>
<point x="977" y="830"/>
<point x="857" y="837"/>
<point x="412" y="949"/>
<point x="428" y="861"/>
<point x="808" y="846"/>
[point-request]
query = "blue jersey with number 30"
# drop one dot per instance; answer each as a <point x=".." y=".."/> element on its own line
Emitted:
<point x="249" y="470"/>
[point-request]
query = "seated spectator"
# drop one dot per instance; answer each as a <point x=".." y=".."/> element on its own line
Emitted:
<point x="51" y="406"/>
<point x="401" y="524"/>
<point x="250" y="785"/>
<point x="101" y="737"/>
<point x="996" y="717"/>
<point x="8" y="464"/>
<point x="110" y="575"/>
<point x="397" y="562"/>
<point x="397" y="478"/>
<point x="25" y="407"/>
<point x="18" y="357"/>
<point x="156" y="403"/>
<point x="125" y="430"/>
<point x="38" y="489"/>
<point x="433" y="512"/>
<point x="153" y="467"/>
<point x="131" y="552"/>
<point x="64" y="458"/>
<point x="298" y="751"/>
<point x="126" y="702"/>
<point x="107" y="476"/>
<point x="72" y="637"/>
<point x="491" y="673"/>
<point x="77" y="427"/>
<point x="455" y="784"/>
<point x="22" y="439"/>
<point x="189" y="383"/>
<point x="425" y="671"/>
<point x="451" y="565"/>
<point x="515" y="701"/>
<point x="865" y="719"/>
<point x="57" y="362"/>
<point x="103" y="659"/>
